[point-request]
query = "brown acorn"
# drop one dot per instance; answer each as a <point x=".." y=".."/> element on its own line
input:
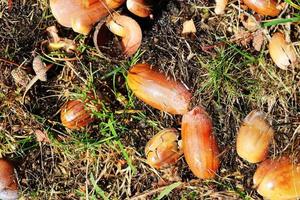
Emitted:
<point x="263" y="7"/>
<point x="199" y="145"/>
<point x="81" y="15"/>
<point x="76" y="114"/>
<point x="8" y="182"/>
<point x="254" y="137"/>
<point x="158" y="90"/>
<point x="278" y="179"/>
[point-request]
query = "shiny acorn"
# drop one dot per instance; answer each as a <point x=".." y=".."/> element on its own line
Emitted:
<point x="8" y="182"/>
<point x="76" y="114"/>
<point x="278" y="179"/>
<point x="163" y="149"/>
<point x="263" y="7"/>
<point x="254" y="137"/>
<point x="199" y="145"/>
<point x="157" y="90"/>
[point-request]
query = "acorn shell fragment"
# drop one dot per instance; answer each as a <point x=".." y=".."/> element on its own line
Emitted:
<point x="138" y="7"/>
<point x="129" y="30"/>
<point x="282" y="52"/>
<point x="220" y="6"/>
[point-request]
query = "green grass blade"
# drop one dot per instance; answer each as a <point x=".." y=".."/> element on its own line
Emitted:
<point x="293" y="4"/>
<point x="124" y="152"/>
<point x="167" y="190"/>
<point x="280" y="21"/>
<point x="251" y="58"/>
<point x="97" y="188"/>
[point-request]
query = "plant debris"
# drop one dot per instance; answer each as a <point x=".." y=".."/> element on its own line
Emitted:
<point x="40" y="70"/>
<point x="224" y="60"/>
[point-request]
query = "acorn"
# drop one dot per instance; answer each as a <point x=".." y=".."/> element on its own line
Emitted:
<point x="8" y="181"/>
<point x="254" y="137"/>
<point x="76" y="114"/>
<point x="278" y="179"/>
<point x="158" y="90"/>
<point x="81" y="15"/>
<point x="163" y="149"/>
<point x="199" y="144"/>
<point x="263" y="7"/>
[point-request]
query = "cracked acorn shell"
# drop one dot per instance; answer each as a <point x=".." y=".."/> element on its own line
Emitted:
<point x="81" y="15"/>
<point x="278" y="179"/>
<point x="157" y="90"/>
<point x="162" y="149"/>
<point x="129" y="30"/>
<point x="199" y="145"/>
<point x="8" y="182"/>
<point x="282" y="52"/>
<point x="254" y="137"/>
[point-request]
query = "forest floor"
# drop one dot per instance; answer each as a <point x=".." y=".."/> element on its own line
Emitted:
<point x="219" y="64"/>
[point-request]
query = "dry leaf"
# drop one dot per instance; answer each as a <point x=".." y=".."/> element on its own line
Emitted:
<point x="41" y="136"/>
<point x="39" y="68"/>
<point x="188" y="27"/>
<point x="242" y="37"/>
<point x="20" y="77"/>
<point x="258" y="40"/>
<point x="250" y="23"/>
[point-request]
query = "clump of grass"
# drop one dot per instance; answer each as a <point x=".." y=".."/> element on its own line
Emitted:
<point x="228" y="76"/>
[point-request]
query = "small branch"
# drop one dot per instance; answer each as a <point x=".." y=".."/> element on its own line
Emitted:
<point x="9" y="62"/>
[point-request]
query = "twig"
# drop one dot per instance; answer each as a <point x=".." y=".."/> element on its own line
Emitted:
<point x="9" y="62"/>
<point x="10" y="5"/>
